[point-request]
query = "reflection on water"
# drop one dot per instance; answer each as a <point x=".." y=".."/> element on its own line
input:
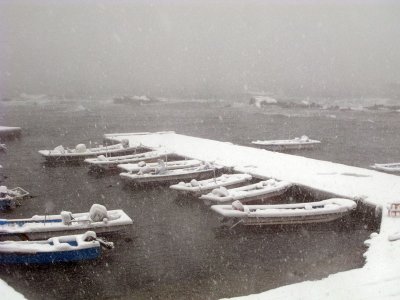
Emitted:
<point x="177" y="248"/>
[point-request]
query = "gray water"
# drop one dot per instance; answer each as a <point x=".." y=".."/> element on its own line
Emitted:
<point x="176" y="248"/>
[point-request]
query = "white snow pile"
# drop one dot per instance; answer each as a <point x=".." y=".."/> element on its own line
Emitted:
<point x="8" y="293"/>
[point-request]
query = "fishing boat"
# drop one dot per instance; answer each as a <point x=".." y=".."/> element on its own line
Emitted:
<point x="9" y="198"/>
<point x="7" y="132"/>
<point x="299" y="213"/>
<point x="98" y="219"/>
<point x="80" y="152"/>
<point x="258" y="191"/>
<point x="197" y="188"/>
<point x="283" y="145"/>
<point x="162" y="175"/>
<point x="103" y="163"/>
<point x="169" y="165"/>
<point x="390" y="167"/>
<point x="59" y="249"/>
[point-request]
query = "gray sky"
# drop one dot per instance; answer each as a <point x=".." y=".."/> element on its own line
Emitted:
<point x="199" y="48"/>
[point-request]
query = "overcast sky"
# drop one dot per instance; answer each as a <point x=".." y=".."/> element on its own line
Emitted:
<point x="199" y="48"/>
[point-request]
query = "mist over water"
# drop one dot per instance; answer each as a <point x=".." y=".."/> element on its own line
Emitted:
<point x="177" y="248"/>
<point x="200" y="48"/>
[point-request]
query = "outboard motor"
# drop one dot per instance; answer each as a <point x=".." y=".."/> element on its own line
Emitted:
<point x="237" y="205"/>
<point x="125" y="143"/>
<point x="66" y="217"/>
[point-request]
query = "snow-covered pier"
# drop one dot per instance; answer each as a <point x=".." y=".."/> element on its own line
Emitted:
<point x="379" y="278"/>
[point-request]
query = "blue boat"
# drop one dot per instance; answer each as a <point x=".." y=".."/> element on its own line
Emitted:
<point x="61" y="249"/>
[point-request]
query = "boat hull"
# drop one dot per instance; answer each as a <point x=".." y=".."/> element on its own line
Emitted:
<point x="41" y="235"/>
<point x="203" y="191"/>
<point x="293" y="220"/>
<point x="44" y="227"/>
<point x="54" y="158"/>
<point x="288" y="147"/>
<point x="390" y="168"/>
<point x="287" y="214"/>
<point x="169" y="165"/>
<point x="204" y="187"/>
<point x="261" y="198"/>
<point x="168" y="179"/>
<point x="112" y="166"/>
<point x="50" y="257"/>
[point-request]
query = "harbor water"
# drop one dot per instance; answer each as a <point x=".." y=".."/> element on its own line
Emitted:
<point x="176" y="248"/>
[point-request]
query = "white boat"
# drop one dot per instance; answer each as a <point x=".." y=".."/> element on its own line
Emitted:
<point x="161" y="175"/>
<point x="281" y="145"/>
<point x="9" y="198"/>
<point x="80" y="152"/>
<point x="98" y="219"/>
<point x="109" y="163"/>
<point x="9" y="132"/>
<point x="197" y="188"/>
<point x="299" y="213"/>
<point x="169" y="165"/>
<point x="391" y="167"/>
<point x="257" y="191"/>
<point x="60" y="249"/>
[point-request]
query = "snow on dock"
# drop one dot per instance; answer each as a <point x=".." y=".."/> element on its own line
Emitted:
<point x="380" y="276"/>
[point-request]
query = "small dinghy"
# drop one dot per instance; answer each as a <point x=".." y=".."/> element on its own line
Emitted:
<point x="391" y="167"/>
<point x="162" y="175"/>
<point x="257" y="191"/>
<point x="281" y="145"/>
<point x="9" y="198"/>
<point x="108" y="163"/>
<point x="300" y="213"/>
<point x="10" y="132"/>
<point x="197" y="188"/>
<point x="169" y="165"/>
<point x="80" y="152"/>
<point x="98" y="219"/>
<point x="60" y="249"/>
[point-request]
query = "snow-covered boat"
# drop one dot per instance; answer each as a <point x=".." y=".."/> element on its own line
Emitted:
<point x="257" y="191"/>
<point x="162" y="175"/>
<point x="9" y="198"/>
<point x="80" y="152"/>
<point x="299" y="213"/>
<point x="98" y="219"/>
<point x="9" y="132"/>
<point x="59" y="249"/>
<point x="197" y="188"/>
<point x="281" y="145"/>
<point x="108" y="163"/>
<point x="169" y="165"/>
<point x="391" y="167"/>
